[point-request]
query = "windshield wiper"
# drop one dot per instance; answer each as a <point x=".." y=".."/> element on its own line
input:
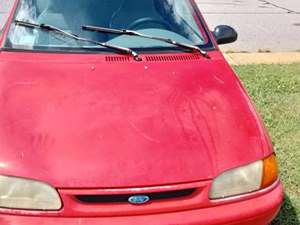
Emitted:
<point x="51" y="28"/>
<point x="135" y="33"/>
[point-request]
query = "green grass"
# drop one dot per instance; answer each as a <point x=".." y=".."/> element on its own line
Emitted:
<point x="275" y="90"/>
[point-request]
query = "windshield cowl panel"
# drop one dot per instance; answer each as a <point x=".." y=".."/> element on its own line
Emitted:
<point x="172" y="19"/>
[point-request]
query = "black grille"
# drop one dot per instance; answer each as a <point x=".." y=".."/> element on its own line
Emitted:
<point x="125" y="197"/>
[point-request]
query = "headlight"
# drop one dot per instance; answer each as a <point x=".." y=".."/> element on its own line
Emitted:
<point x="246" y="179"/>
<point x="18" y="193"/>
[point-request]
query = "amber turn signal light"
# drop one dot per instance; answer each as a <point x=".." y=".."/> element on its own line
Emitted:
<point x="270" y="171"/>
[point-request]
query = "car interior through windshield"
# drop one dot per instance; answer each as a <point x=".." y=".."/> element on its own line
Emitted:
<point x="175" y="19"/>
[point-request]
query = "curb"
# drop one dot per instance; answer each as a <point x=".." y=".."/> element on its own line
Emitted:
<point x="263" y="58"/>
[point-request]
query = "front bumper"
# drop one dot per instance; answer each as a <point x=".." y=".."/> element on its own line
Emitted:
<point x="255" y="211"/>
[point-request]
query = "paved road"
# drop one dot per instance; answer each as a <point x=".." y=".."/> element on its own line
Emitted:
<point x="267" y="25"/>
<point x="262" y="24"/>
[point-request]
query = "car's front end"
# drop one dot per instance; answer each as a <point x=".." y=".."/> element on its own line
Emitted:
<point x="91" y="137"/>
<point x="192" y="208"/>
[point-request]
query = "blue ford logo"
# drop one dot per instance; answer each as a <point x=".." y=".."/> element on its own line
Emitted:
<point x="138" y="199"/>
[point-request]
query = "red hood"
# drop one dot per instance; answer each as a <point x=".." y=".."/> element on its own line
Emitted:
<point x="79" y="121"/>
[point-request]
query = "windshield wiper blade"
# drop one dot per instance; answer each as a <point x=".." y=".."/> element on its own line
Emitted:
<point x="50" y="28"/>
<point x="135" y="33"/>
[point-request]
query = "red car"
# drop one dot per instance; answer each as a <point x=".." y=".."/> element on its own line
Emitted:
<point x="121" y="112"/>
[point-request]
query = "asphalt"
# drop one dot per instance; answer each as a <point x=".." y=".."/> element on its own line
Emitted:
<point x="263" y="25"/>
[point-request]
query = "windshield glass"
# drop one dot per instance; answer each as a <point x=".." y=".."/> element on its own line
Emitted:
<point x="174" y="19"/>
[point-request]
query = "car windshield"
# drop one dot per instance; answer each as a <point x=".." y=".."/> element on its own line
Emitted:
<point x="174" y="19"/>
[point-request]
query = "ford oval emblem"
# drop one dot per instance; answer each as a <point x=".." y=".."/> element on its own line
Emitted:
<point x="138" y="199"/>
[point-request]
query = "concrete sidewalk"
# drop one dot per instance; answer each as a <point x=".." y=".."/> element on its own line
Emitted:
<point x="263" y="58"/>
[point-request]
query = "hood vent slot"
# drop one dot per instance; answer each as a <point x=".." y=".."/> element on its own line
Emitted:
<point x="172" y="58"/>
<point x="120" y="59"/>
<point x="155" y="58"/>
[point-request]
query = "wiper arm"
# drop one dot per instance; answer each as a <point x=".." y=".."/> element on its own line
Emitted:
<point x="50" y="28"/>
<point x="135" y="33"/>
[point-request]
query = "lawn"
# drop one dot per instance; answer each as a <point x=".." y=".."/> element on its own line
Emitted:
<point x="275" y="89"/>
